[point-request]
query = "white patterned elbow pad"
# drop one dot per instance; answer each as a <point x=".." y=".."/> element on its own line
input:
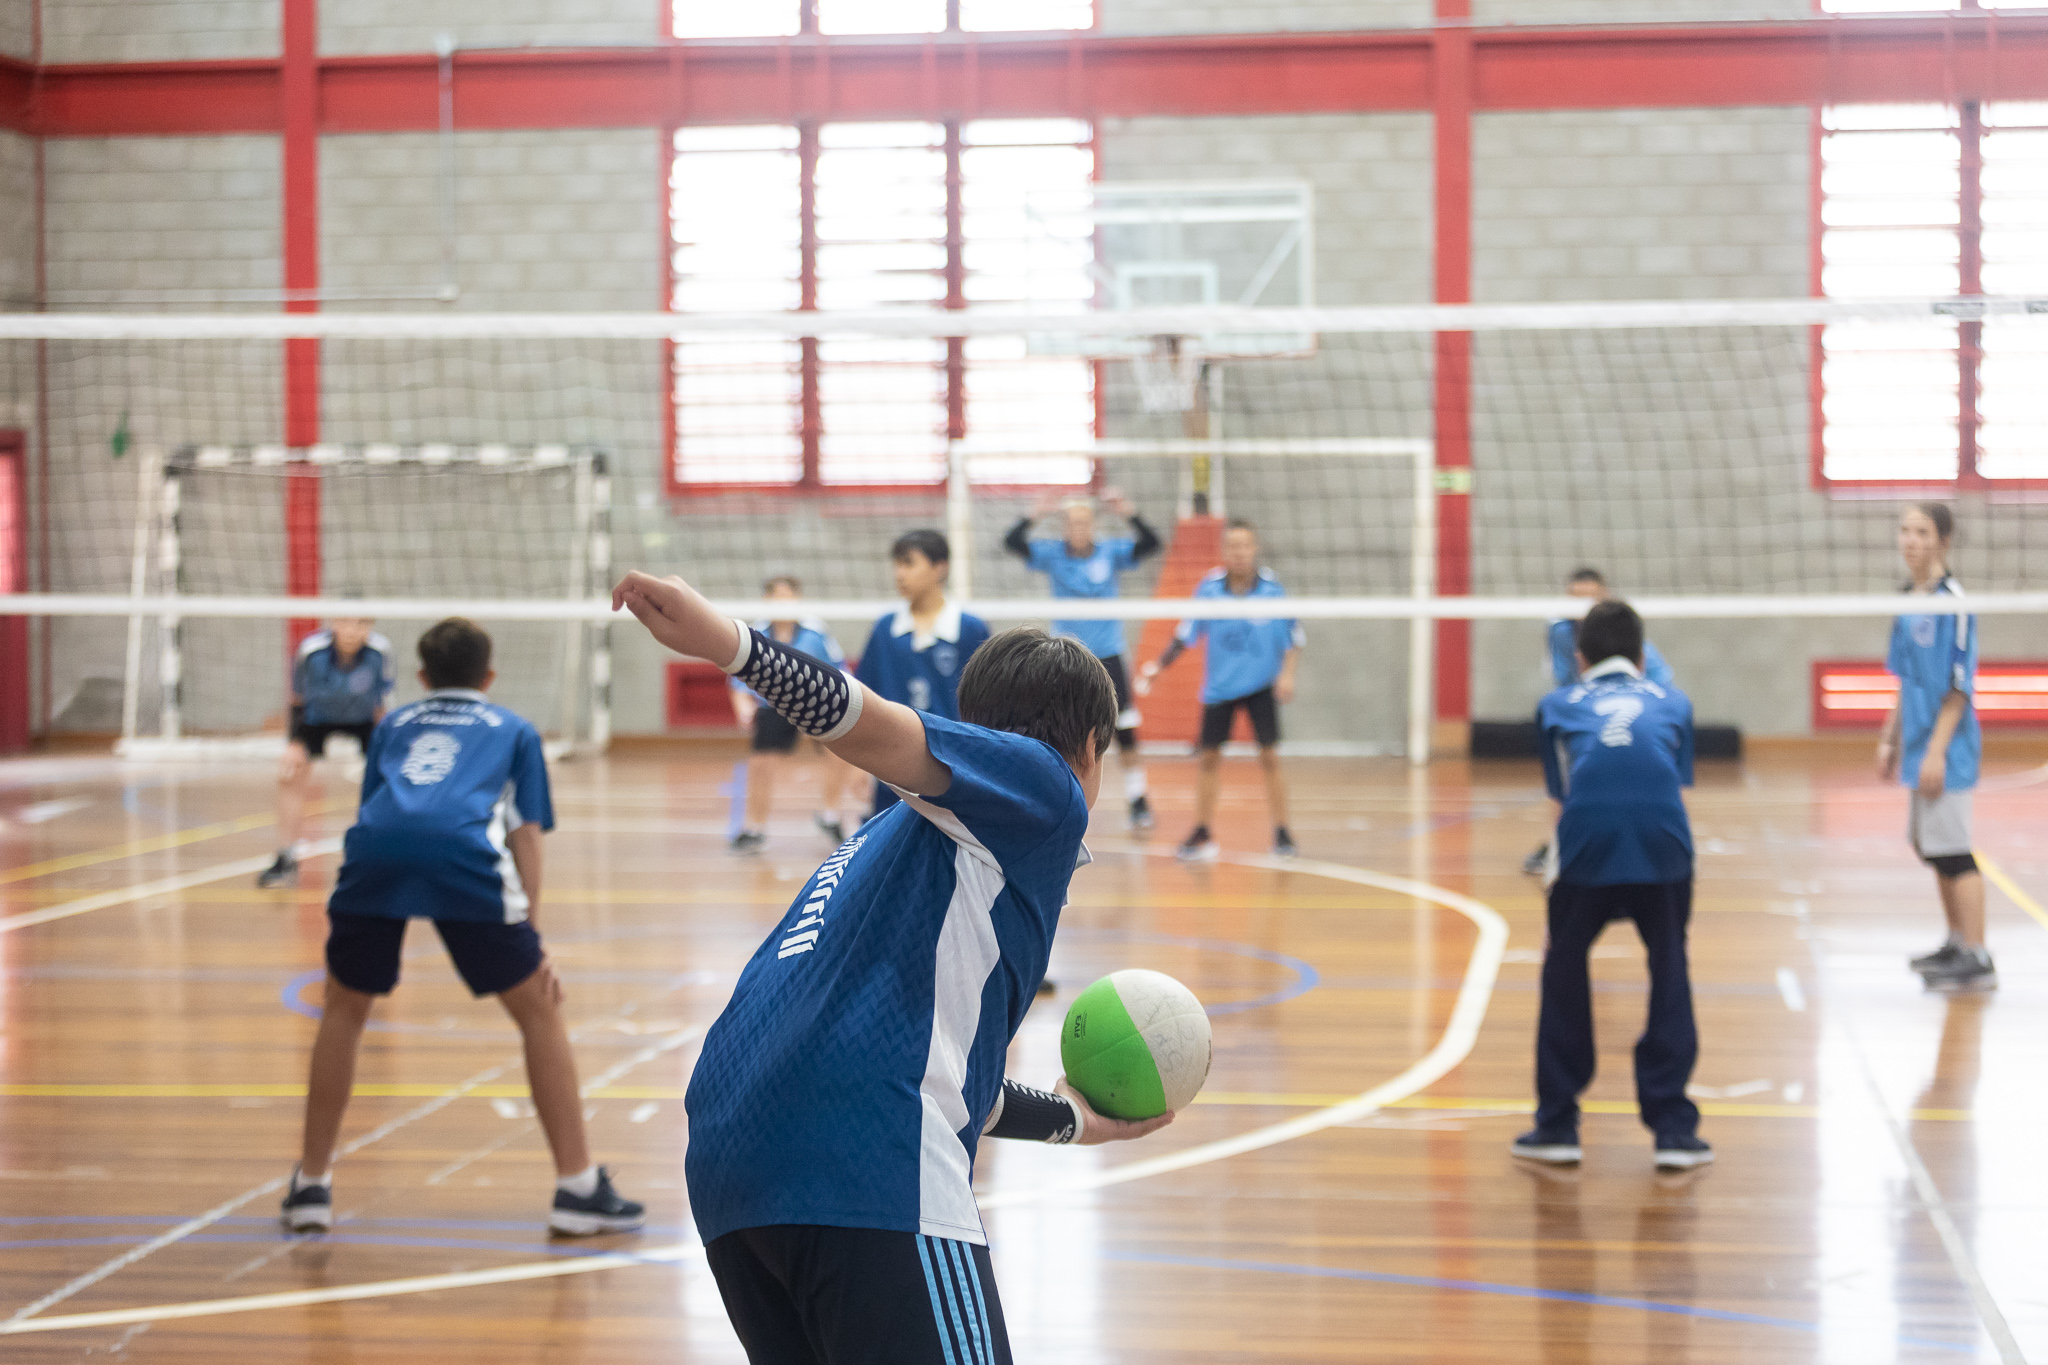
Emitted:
<point x="816" y="698"/>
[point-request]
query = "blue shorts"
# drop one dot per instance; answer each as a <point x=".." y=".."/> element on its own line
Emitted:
<point x="363" y="952"/>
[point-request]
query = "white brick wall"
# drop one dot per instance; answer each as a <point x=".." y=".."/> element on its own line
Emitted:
<point x="1634" y="11"/>
<point x="1288" y="16"/>
<point x="158" y="30"/>
<point x="17" y="221"/>
<point x="412" y="26"/>
<point x="17" y="28"/>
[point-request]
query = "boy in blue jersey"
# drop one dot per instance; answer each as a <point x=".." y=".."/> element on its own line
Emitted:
<point x="915" y="655"/>
<point x="775" y="739"/>
<point x="341" y="683"/>
<point x="1931" y="743"/>
<point x="1079" y="564"/>
<point x="1250" y="665"/>
<point x="1563" y="644"/>
<point x="455" y="797"/>
<point x="840" y="1099"/>
<point x="1617" y="751"/>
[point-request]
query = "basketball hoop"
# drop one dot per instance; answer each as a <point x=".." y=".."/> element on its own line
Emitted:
<point x="1169" y="377"/>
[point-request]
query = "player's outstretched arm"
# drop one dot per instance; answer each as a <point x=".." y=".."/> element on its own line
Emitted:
<point x="881" y="737"/>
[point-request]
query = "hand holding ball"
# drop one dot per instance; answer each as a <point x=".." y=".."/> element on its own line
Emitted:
<point x="1136" y="1044"/>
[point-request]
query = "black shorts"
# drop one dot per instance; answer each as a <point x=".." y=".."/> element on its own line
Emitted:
<point x="773" y="734"/>
<point x="313" y="736"/>
<point x="806" y="1295"/>
<point x="1127" y="717"/>
<point x="1260" y="706"/>
<point x="363" y="952"/>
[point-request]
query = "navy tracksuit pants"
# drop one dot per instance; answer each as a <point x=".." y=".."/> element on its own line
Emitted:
<point x="1565" y="1056"/>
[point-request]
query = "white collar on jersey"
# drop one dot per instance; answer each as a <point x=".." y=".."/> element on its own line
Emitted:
<point x="946" y="628"/>
<point x="1617" y="664"/>
<point x="455" y="694"/>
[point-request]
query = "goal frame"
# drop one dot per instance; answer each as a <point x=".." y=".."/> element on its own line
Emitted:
<point x="157" y="555"/>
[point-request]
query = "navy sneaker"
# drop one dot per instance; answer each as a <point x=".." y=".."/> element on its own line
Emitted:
<point x="602" y="1210"/>
<point x="283" y="872"/>
<point x="1682" y="1152"/>
<point x="1940" y="957"/>
<point x="1199" y="848"/>
<point x="307" y="1208"/>
<point x="748" y="841"/>
<point x="1141" y="813"/>
<point x="1552" y="1149"/>
<point x="1970" y="969"/>
<point x="1534" y="864"/>
<point x="829" y="826"/>
<point x="1283" y="844"/>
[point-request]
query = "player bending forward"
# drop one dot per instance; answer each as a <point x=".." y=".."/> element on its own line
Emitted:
<point x="838" y="1104"/>
<point x="341" y="682"/>
<point x="455" y="796"/>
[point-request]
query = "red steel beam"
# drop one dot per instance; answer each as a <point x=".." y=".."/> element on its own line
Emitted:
<point x="300" y="91"/>
<point x="1966" y="56"/>
<point x="1452" y="159"/>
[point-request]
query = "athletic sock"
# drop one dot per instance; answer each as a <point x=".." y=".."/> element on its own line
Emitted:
<point x="302" y="1181"/>
<point x="1134" y="784"/>
<point x="583" y="1184"/>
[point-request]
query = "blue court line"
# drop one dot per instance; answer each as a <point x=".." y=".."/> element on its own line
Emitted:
<point x="1516" y="1291"/>
<point x="1306" y="978"/>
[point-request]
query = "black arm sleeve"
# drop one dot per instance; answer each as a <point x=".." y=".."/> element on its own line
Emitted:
<point x="1029" y="1115"/>
<point x="815" y="697"/>
<point x="1018" y="542"/>
<point x="1148" y="541"/>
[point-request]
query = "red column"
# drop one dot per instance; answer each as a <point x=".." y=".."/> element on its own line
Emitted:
<point x="301" y="96"/>
<point x="812" y="404"/>
<point x="1970" y="242"/>
<point x="1452" y="102"/>
<point x="956" y="284"/>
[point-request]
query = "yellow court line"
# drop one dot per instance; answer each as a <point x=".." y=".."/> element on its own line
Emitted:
<point x="72" y="861"/>
<point x="1244" y="1099"/>
<point x="2004" y="882"/>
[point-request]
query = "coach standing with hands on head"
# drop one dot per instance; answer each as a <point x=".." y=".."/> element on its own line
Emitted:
<point x="1617" y="751"/>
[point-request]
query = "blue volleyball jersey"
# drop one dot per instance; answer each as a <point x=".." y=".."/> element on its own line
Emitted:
<point x="812" y="638"/>
<point x="1244" y="656"/>
<point x="1564" y="657"/>
<point x="447" y="778"/>
<point x="922" y="671"/>
<point x="336" y="695"/>
<point x="1617" y="749"/>
<point x="847" y="1080"/>
<point x="1932" y="656"/>
<point x="1096" y="574"/>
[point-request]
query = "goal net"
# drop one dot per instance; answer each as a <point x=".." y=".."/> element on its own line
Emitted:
<point x="1405" y="467"/>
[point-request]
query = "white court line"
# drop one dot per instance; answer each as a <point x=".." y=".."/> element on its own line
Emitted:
<point x="1790" y="991"/>
<point x="1460" y="1033"/>
<point x="183" y="881"/>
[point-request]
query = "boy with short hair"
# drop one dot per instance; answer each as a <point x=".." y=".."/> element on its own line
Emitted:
<point x="775" y="739"/>
<point x="1078" y="563"/>
<point x="341" y="682"/>
<point x="1617" y="752"/>
<point x="455" y="798"/>
<point x="837" y="1107"/>
<point x="1250" y="665"/>
<point x="915" y="655"/>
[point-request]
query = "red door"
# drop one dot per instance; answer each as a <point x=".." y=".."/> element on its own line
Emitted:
<point x="13" y="578"/>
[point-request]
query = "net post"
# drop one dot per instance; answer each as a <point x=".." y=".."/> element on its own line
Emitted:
<point x="959" y="523"/>
<point x="1422" y="629"/>
<point x="600" y="635"/>
<point x="149" y="477"/>
<point x="170" y="626"/>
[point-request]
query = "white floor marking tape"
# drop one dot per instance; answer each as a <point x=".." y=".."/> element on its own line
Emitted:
<point x="1460" y="1033"/>
<point x="183" y="881"/>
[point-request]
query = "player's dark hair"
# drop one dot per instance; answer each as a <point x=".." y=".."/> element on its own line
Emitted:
<point x="924" y="541"/>
<point x="1938" y="513"/>
<point x="1612" y="629"/>
<point x="1239" y="524"/>
<point x="455" y="653"/>
<point x="795" y="585"/>
<point x="1040" y="685"/>
<point x="1588" y="574"/>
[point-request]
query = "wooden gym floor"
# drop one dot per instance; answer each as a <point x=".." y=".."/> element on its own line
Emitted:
<point x="1880" y="1193"/>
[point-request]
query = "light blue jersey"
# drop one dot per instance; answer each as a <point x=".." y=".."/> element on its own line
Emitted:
<point x="847" y="1082"/>
<point x="1617" y="748"/>
<point x="1564" y="657"/>
<point x="1096" y="574"/>
<point x="812" y="638"/>
<point x="334" y="695"/>
<point x="1244" y="656"/>
<point x="1932" y="656"/>
<point x="446" y="779"/>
